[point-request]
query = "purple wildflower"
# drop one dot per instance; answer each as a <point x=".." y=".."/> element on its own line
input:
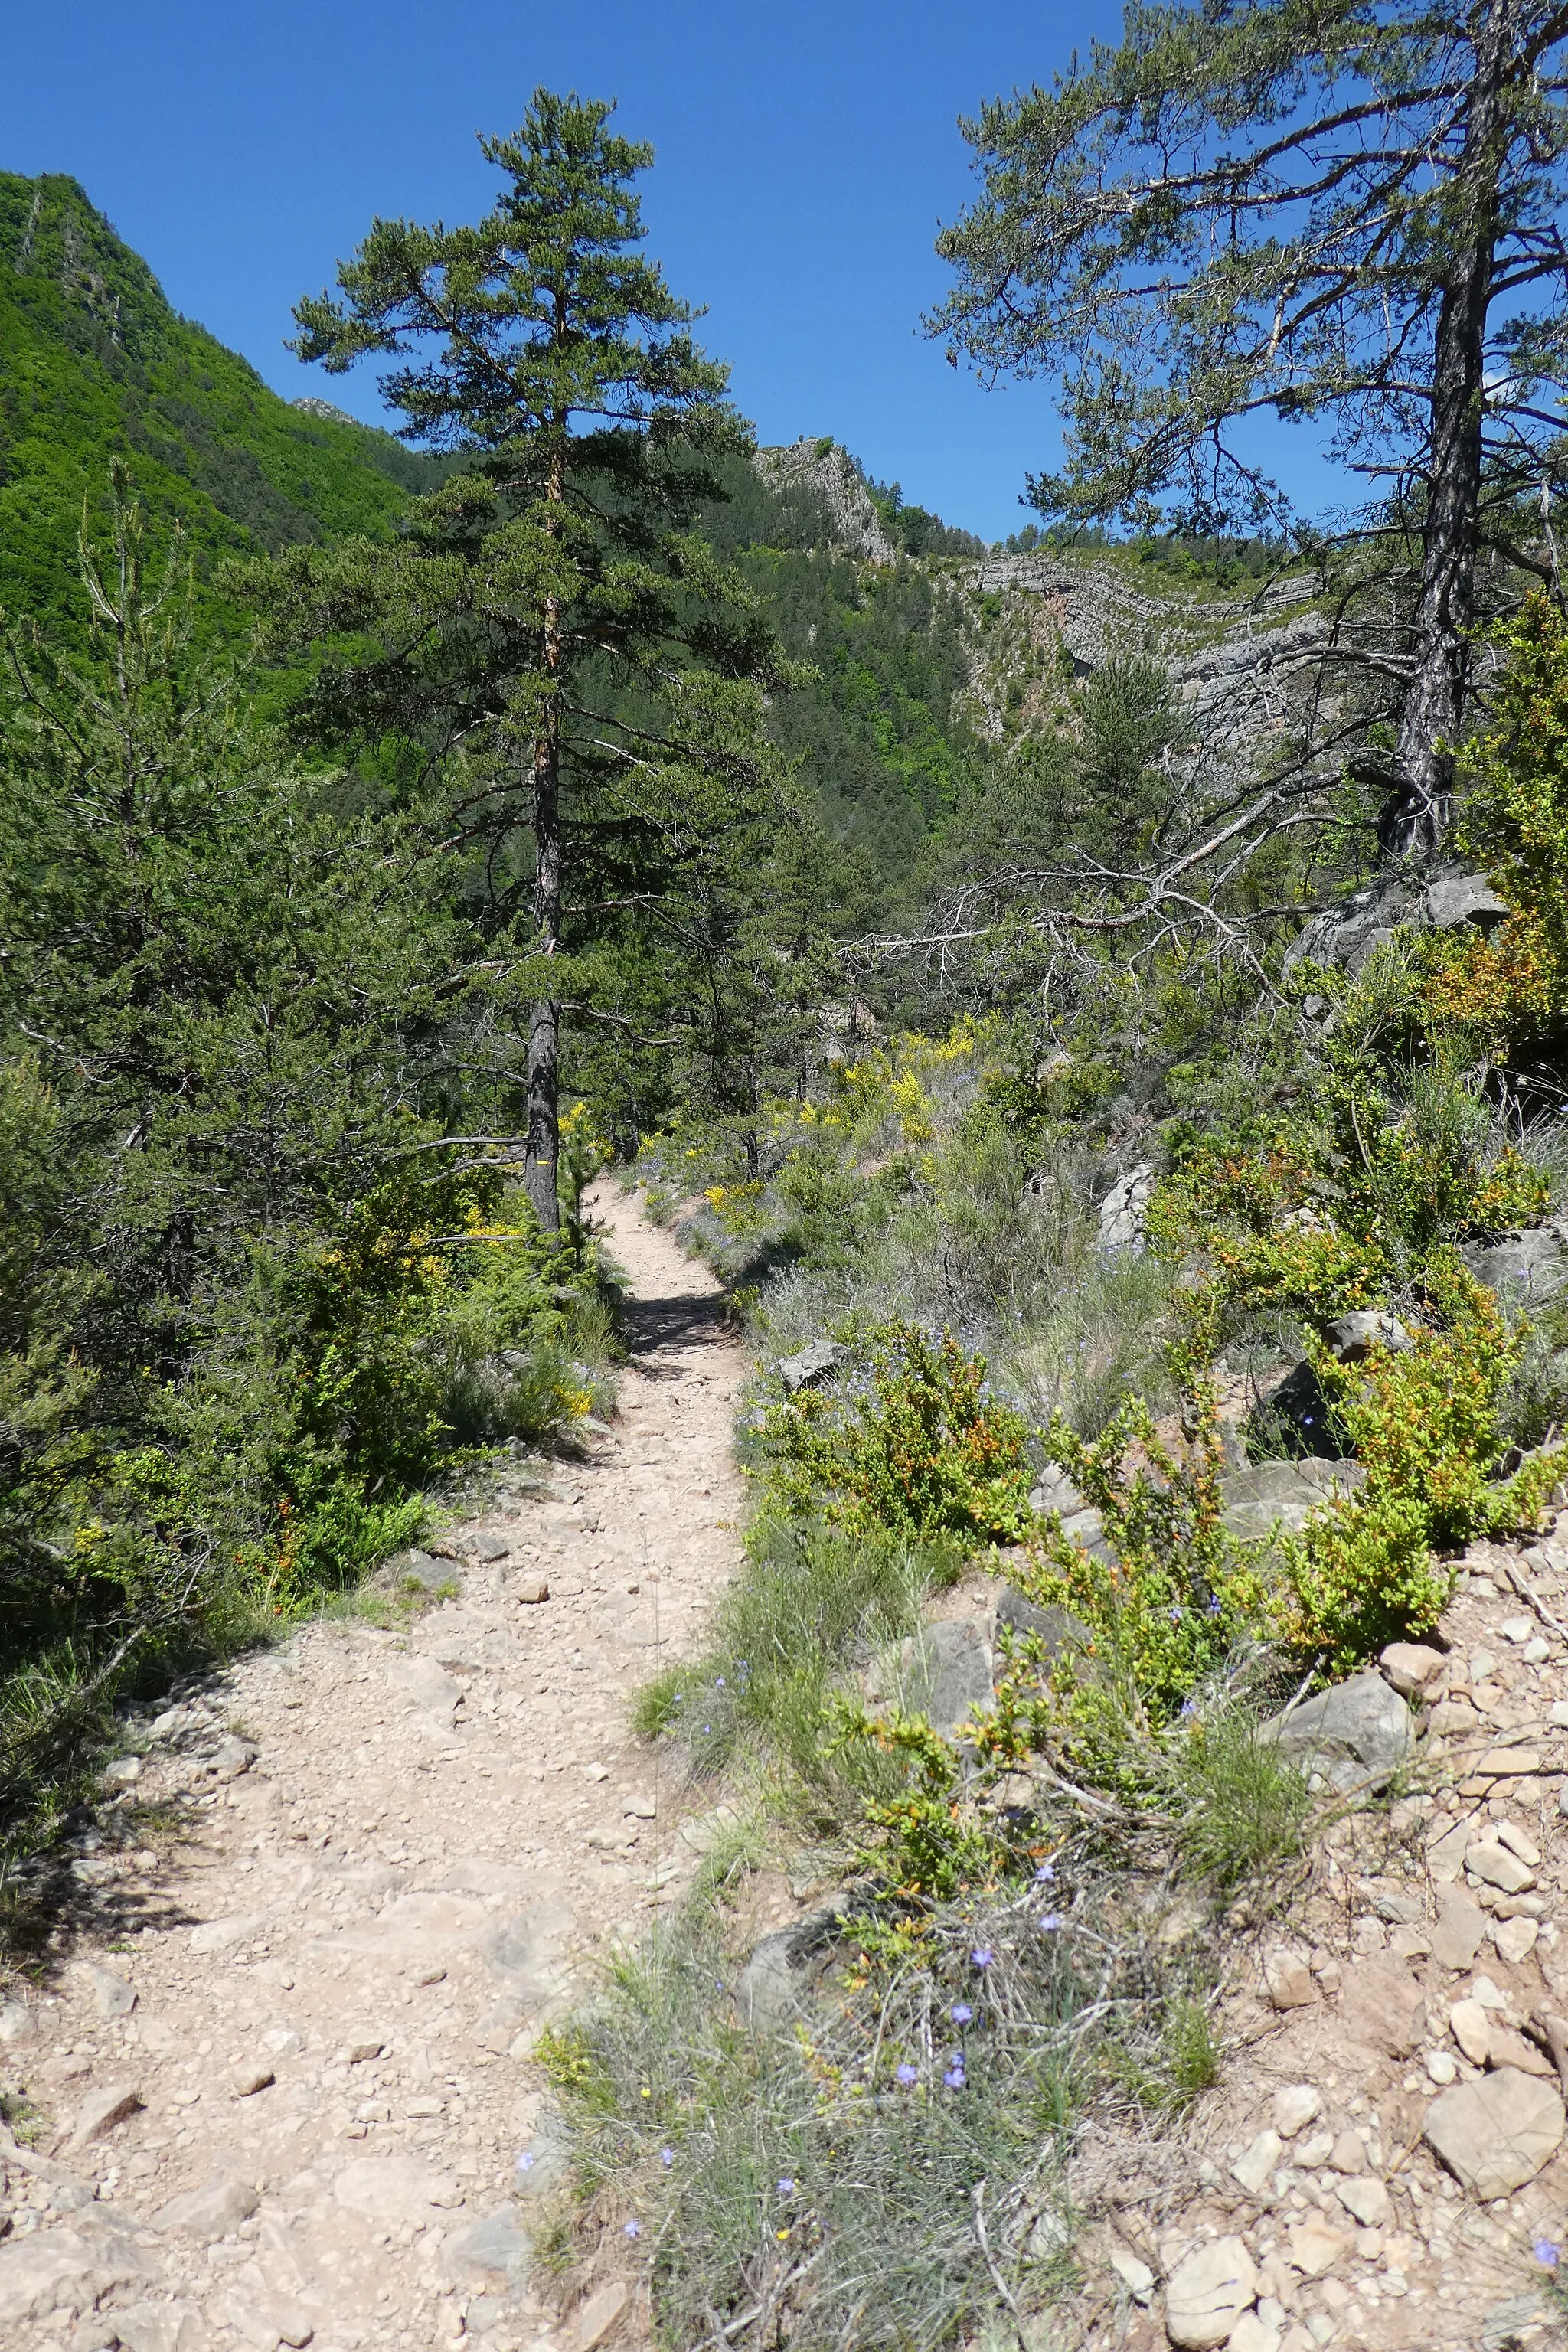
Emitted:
<point x="1548" y="2253"/>
<point x="955" y="2078"/>
<point x="787" y="2187"/>
<point x="634" y="2228"/>
<point x="667" y="2156"/>
<point x="906" y="2073"/>
<point x="1047" y="1874"/>
<point x="525" y="2161"/>
<point x="1051" y="1921"/>
<point x="982" y="1956"/>
<point x="961" y="2012"/>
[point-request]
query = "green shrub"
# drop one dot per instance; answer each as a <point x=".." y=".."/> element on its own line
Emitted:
<point x="925" y="1452"/>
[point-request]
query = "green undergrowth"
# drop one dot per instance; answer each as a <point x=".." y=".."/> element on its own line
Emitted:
<point x="931" y="1214"/>
<point x="893" y="2169"/>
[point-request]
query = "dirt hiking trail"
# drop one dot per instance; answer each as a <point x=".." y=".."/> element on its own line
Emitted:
<point x="279" y="2074"/>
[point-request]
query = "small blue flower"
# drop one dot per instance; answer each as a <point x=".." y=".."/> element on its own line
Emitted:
<point x="787" y="2187"/>
<point x="634" y="2228"/>
<point x="1189" y="1709"/>
<point x="706" y="1730"/>
<point x="1216" y="1606"/>
<point x="1548" y="2253"/>
<point x="982" y="1956"/>
<point x="667" y="2156"/>
<point x="955" y="2078"/>
<point x="1176" y="1616"/>
<point x="1047" y="1874"/>
<point x="1051" y="1921"/>
<point x="718" y="1682"/>
<point x="525" y="2161"/>
<point x="961" y="2012"/>
<point x="906" y="2073"/>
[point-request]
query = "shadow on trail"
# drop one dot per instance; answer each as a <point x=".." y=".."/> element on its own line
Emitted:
<point x="652" y="1323"/>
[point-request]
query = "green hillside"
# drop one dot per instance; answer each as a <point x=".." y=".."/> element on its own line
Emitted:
<point x="94" y="364"/>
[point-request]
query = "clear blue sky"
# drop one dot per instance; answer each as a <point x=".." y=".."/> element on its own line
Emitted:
<point x="804" y="158"/>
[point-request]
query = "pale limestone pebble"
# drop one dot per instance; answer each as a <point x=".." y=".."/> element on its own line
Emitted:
<point x="1496" y="2134"/>
<point x="1515" y="1939"/>
<point x="267" y="2320"/>
<point x="1442" y="2068"/>
<point x="1135" y="2274"/>
<point x="593" y="2320"/>
<point x="1207" y="2293"/>
<point x="1313" y="2152"/>
<point x="1254" y="2167"/>
<point x="100" y="2111"/>
<point x="1411" y="1666"/>
<point x="1367" y="2199"/>
<point x="1295" y="2106"/>
<point x="251" y="2075"/>
<point x="1288" y="1981"/>
<point x="1471" y="2025"/>
<point x="1255" y="2331"/>
<point x="220" y="1935"/>
<point x="1490" y="1860"/>
<point x="111" y="1996"/>
<point x="1518" y="1841"/>
<point x="1460" y="1928"/>
<point x="1348" y="2153"/>
<point x="160" y="2328"/>
<point x="1313" y="2246"/>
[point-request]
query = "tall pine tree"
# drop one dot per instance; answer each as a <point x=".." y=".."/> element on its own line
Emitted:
<point x="548" y="631"/>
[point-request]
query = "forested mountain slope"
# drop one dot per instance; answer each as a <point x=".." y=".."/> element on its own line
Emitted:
<point x="94" y="364"/>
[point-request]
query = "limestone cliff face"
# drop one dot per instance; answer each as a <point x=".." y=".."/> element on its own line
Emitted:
<point x="1228" y="658"/>
<point x="828" y="472"/>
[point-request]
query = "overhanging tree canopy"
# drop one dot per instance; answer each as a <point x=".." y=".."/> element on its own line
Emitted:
<point x="1334" y="211"/>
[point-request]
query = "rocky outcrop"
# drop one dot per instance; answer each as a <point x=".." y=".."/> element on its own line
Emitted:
<point x="830" y="475"/>
<point x="312" y="406"/>
<point x="1226" y="656"/>
<point x="1345" y="937"/>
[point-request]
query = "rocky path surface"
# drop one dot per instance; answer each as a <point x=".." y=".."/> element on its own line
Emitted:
<point x="278" y="2083"/>
<point x="1386" y="2167"/>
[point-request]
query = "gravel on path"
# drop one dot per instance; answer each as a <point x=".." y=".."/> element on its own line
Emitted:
<point x="284" y="2072"/>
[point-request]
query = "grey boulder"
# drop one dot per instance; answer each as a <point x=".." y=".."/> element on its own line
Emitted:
<point x="490" y="2250"/>
<point x="941" y="1672"/>
<point x="813" y="1363"/>
<point x="1533" y="1263"/>
<point x="777" y="1979"/>
<point x="214" y="2209"/>
<point x="1353" y="1337"/>
<point x="1271" y="1495"/>
<point x="1124" y="1211"/>
<point x="1355" y="1735"/>
<point x="1464" y="899"/>
<point x="1058" y="1629"/>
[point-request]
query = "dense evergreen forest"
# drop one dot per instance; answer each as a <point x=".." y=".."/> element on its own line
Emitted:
<point x="1099" y="1003"/>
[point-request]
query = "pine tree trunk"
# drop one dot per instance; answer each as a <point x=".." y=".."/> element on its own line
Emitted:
<point x="1434" y="707"/>
<point x="544" y="1019"/>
